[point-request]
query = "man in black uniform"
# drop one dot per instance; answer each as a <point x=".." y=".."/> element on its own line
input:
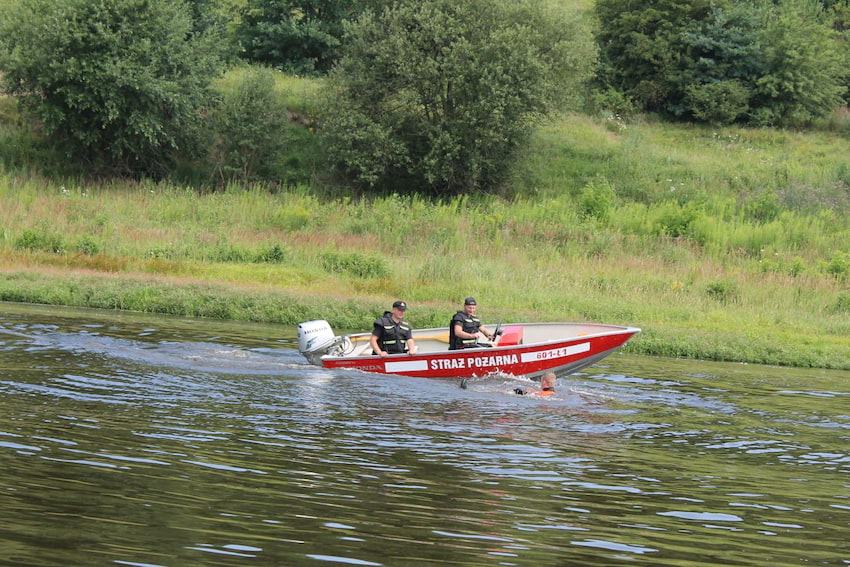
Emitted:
<point x="392" y="334"/>
<point x="465" y="326"/>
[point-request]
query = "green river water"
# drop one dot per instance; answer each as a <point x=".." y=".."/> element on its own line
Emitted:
<point x="129" y="439"/>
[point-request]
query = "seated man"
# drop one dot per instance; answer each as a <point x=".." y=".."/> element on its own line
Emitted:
<point x="391" y="334"/>
<point x="465" y="326"/>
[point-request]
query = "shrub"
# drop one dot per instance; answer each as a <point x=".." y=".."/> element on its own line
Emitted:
<point x="118" y="84"/>
<point x="355" y="264"/>
<point x="224" y="252"/>
<point x="250" y="127"/>
<point x="596" y="199"/>
<point x="764" y="207"/>
<point x="39" y="240"/>
<point x="612" y="103"/>
<point x="161" y="253"/>
<point x="724" y="291"/>
<point x="672" y="219"/>
<point x="722" y="102"/>
<point x="802" y="66"/>
<point x="839" y="266"/>
<point x="273" y="255"/>
<point x="300" y="36"/>
<point x="88" y="246"/>
<point x="292" y="217"/>
<point x="797" y="268"/>
<point x="438" y="95"/>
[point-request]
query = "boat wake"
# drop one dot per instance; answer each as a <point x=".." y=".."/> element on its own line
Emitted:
<point x="183" y="355"/>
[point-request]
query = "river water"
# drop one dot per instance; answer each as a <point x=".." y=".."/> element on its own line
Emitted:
<point x="128" y="439"/>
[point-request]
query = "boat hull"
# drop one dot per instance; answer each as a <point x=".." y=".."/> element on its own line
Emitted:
<point x="562" y="356"/>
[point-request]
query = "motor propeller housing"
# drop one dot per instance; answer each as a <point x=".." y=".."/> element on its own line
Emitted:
<point x="315" y="338"/>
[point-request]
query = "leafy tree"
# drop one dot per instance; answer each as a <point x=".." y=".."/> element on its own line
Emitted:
<point x="721" y="56"/>
<point x="641" y="45"/>
<point x="206" y="15"/>
<point x="840" y="15"/>
<point x="117" y="84"/>
<point x="436" y="96"/>
<point x="250" y="125"/>
<point x="765" y="61"/>
<point x="301" y="36"/>
<point x="803" y="68"/>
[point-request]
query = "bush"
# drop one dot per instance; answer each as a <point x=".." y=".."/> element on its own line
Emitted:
<point x="273" y="255"/>
<point x="436" y="96"/>
<point x="88" y="246"/>
<point x="803" y="68"/>
<point x="250" y="126"/>
<point x="771" y="63"/>
<point x="355" y="264"/>
<point x="40" y="240"/>
<point x="724" y="291"/>
<point x="610" y="103"/>
<point x="117" y="84"/>
<point x="596" y="199"/>
<point x="722" y="102"/>
<point x="300" y="36"/>
<point x="839" y="266"/>
<point x="672" y="219"/>
<point x="224" y="252"/>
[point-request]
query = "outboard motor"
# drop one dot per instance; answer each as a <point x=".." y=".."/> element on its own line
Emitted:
<point x="315" y="338"/>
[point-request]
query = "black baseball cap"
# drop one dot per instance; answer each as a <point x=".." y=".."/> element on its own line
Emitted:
<point x="400" y="305"/>
<point x="470" y="301"/>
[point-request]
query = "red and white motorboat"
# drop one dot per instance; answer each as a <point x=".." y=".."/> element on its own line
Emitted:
<point x="522" y="349"/>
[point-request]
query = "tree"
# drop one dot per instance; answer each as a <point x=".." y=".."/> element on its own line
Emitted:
<point x="641" y="46"/>
<point x="301" y="36"/>
<point x="771" y="62"/>
<point x="721" y="57"/>
<point x="436" y="96"/>
<point x="839" y="14"/>
<point x="118" y="84"/>
<point x="804" y="71"/>
<point x="250" y="124"/>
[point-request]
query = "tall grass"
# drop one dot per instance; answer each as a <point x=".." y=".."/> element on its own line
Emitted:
<point x="720" y="243"/>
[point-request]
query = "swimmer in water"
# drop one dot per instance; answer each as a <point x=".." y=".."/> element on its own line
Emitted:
<point x="547" y="387"/>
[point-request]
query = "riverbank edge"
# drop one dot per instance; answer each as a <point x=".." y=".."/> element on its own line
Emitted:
<point x="348" y="313"/>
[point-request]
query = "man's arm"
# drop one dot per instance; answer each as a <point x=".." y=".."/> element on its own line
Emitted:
<point x="373" y="340"/>
<point x="459" y="332"/>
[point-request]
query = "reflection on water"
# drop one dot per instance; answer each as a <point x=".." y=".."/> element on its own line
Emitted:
<point x="137" y="440"/>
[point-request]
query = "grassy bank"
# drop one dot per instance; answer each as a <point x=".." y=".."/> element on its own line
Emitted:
<point x="289" y="257"/>
<point x="722" y="244"/>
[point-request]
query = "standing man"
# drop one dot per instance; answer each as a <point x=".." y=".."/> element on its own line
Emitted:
<point x="392" y="334"/>
<point x="465" y="326"/>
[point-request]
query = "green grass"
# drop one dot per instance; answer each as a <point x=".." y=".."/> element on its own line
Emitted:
<point x="166" y="249"/>
<point x="723" y="244"/>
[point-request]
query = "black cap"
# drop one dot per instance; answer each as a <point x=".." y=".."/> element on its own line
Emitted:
<point x="400" y="305"/>
<point x="470" y="301"/>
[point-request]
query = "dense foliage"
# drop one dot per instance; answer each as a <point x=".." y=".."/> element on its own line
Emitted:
<point x="767" y="63"/>
<point x="641" y="45"/>
<point x="436" y="96"/>
<point x="250" y="126"/>
<point x="117" y="84"/>
<point x="299" y="36"/>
